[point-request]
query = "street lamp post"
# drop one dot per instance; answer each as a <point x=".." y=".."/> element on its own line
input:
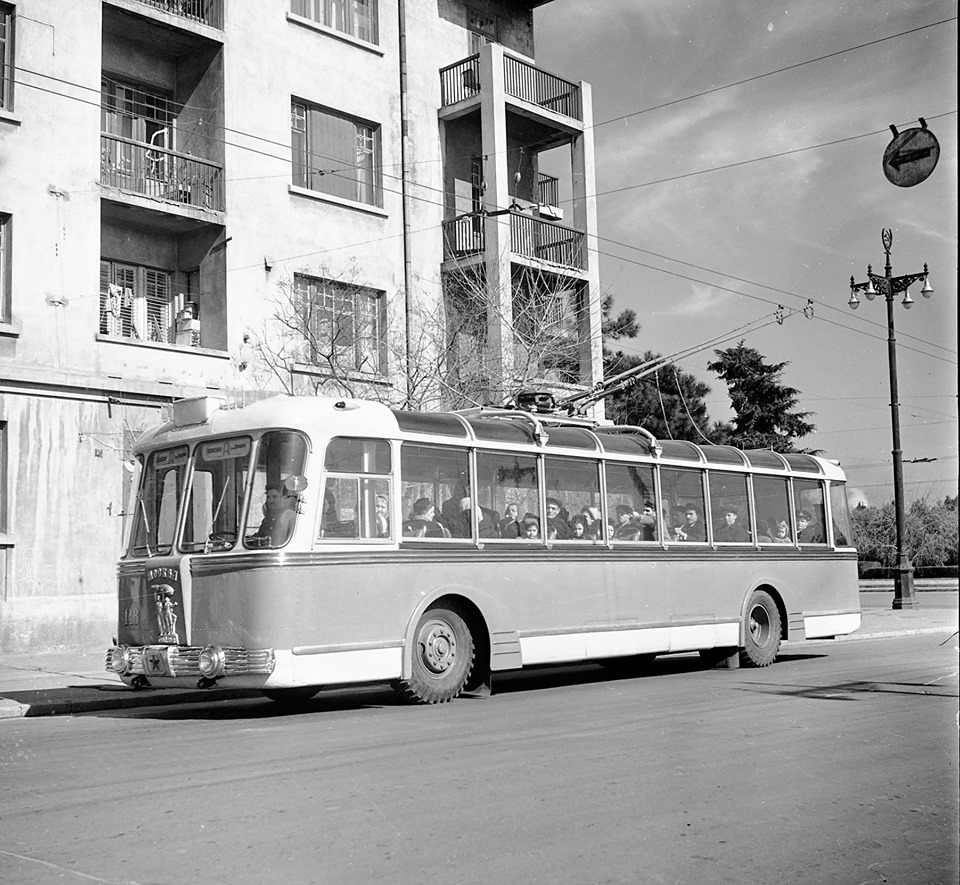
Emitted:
<point x="888" y="286"/>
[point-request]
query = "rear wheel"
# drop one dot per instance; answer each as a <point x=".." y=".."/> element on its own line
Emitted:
<point x="443" y="654"/>
<point x="761" y="631"/>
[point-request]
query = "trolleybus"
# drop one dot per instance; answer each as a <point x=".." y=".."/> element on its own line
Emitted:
<point x="298" y="543"/>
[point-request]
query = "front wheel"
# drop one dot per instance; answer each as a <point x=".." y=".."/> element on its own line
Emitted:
<point x="762" y="631"/>
<point x="443" y="656"/>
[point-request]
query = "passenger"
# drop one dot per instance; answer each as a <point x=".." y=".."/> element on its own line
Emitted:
<point x="531" y="527"/>
<point x="421" y="523"/>
<point x="485" y="525"/>
<point x="808" y="532"/>
<point x="627" y="529"/>
<point x="691" y="529"/>
<point x="648" y="522"/>
<point x="730" y="532"/>
<point x="578" y="527"/>
<point x="558" y="529"/>
<point x="382" y="507"/>
<point x="509" y="526"/>
<point x="593" y="524"/>
<point x="780" y="532"/>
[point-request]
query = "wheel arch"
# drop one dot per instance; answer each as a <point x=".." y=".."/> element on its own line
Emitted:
<point x="495" y="637"/>
<point x="776" y="596"/>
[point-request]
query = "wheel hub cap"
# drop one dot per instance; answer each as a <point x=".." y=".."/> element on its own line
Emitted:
<point x="438" y="647"/>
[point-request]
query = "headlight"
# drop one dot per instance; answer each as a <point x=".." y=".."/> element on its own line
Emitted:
<point x="118" y="660"/>
<point x="212" y="662"/>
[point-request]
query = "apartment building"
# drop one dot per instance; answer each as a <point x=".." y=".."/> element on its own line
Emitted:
<point x="382" y="198"/>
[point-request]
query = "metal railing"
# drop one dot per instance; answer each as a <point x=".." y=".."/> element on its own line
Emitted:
<point x="528" y="82"/>
<point x="463" y="236"/>
<point x="460" y="81"/>
<point x="160" y="173"/>
<point x="548" y="190"/>
<point x="204" y="12"/>
<point x="546" y="241"/>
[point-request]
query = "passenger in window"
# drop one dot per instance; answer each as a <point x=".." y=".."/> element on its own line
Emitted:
<point x="780" y="532"/>
<point x="421" y="523"/>
<point x="731" y="532"/>
<point x="648" y="522"/>
<point x="691" y="529"/>
<point x="329" y="519"/>
<point x="808" y="532"/>
<point x="578" y="527"/>
<point x="558" y="529"/>
<point x="279" y="513"/>
<point x="531" y="527"/>
<point x="509" y="526"/>
<point x="485" y="521"/>
<point x="594" y="526"/>
<point x="382" y="507"/>
<point x="627" y="529"/>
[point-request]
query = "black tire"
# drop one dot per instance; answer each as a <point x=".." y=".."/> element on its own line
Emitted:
<point x="761" y="629"/>
<point x="290" y="696"/>
<point x="443" y="654"/>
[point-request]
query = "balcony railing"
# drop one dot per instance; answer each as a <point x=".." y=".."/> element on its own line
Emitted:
<point x="460" y="81"/>
<point x="204" y="12"/>
<point x="547" y="241"/>
<point x="530" y="237"/>
<point x="521" y="80"/>
<point x="159" y="173"/>
<point x="462" y="236"/>
<point x="527" y="82"/>
<point x="548" y="190"/>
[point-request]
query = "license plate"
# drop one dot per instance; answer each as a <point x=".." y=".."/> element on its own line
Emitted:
<point x="156" y="662"/>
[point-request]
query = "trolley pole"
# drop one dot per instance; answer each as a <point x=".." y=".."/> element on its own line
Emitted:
<point x="888" y="286"/>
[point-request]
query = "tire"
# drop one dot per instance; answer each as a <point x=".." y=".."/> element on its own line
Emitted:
<point x="289" y="696"/>
<point x="761" y="631"/>
<point x="443" y="655"/>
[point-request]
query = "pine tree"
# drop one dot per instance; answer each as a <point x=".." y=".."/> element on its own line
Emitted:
<point x="766" y="415"/>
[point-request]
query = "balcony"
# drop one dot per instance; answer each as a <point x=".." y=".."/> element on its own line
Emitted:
<point x="160" y="174"/>
<point x="521" y="80"/>
<point x="203" y="12"/>
<point x="531" y="238"/>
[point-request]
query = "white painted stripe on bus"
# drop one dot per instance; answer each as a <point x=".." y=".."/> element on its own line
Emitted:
<point x="336" y="667"/>
<point x="615" y="643"/>
<point x="818" y="626"/>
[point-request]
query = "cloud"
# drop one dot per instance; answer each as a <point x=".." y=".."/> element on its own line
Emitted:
<point x="856" y="497"/>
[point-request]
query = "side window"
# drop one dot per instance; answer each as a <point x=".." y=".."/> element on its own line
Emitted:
<point x="159" y="502"/>
<point x="683" y="510"/>
<point x="572" y="494"/>
<point x="771" y="496"/>
<point x="811" y="518"/>
<point x="631" y="508"/>
<point x="276" y="486"/>
<point x="216" y="495"/>
<point x="357" y="491"/>
<point x="507" y="489"/>
<point x="434" y="481"/>
<point x="730" y="508"/>
<point x="840" y="511"/>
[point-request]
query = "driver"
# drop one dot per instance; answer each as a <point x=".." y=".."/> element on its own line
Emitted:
<point x="279" y="513"/>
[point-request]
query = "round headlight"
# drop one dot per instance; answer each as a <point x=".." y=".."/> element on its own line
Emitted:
<point x="212" y="662"/>
<point x="118" y="660"/>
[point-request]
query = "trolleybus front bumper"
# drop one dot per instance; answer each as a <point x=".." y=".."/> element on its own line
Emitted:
<point x="171" y="661"/>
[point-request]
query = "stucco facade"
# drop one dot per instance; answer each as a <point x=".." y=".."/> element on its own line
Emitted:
<point x="153" y="215"/>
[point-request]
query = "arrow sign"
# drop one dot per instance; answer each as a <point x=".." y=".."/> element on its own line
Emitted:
<point x="911" y="157"/>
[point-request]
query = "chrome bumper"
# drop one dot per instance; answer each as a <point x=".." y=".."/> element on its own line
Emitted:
<point x="184" y="660"/>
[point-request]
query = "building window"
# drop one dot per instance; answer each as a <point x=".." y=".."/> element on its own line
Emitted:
<point x="483" y="29"/>
<point x="6" y="309"/>
<point x="138" y="302"/>
<point x="6" y="56"/>
<point x="4" y="482"/>
<point x="358" y="18"/>
<point x="343" y="325"/>
<point x="335" y="155"/>
<point x="136" y="112"/>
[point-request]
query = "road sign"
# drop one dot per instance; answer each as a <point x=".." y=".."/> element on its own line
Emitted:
<point x="910" y="157"/>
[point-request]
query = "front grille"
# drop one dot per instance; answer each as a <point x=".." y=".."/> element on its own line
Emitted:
<point x="183" y="660"/>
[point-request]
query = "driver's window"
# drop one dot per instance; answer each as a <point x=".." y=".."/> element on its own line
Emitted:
<point x="217" y="488"/>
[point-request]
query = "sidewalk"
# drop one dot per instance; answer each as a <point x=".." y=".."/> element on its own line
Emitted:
<point x="56" y="683"/>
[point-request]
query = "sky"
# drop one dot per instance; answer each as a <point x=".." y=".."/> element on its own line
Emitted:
<point x="698" y="250"/>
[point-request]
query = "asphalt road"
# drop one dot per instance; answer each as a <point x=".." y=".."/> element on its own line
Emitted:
<point x="837" y="765"/>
